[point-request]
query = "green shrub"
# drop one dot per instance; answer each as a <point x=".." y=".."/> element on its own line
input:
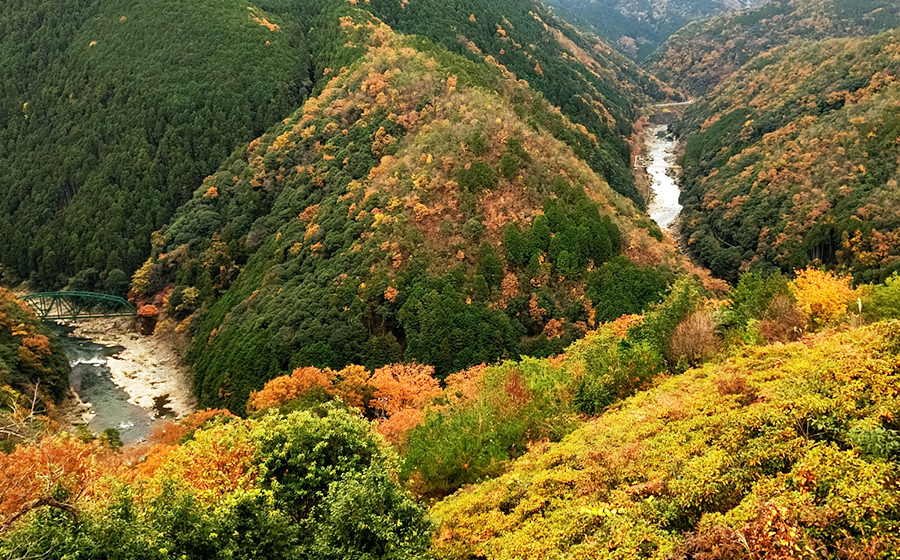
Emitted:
<point x="509" y="166"/>
<point x="620" y="287"/>
<point x="520" y="402"/>
<point x="659" y="324"/>
<point x="295" y="463"/>
<point x="752" y="298"/>
<point x="367" y="516"/>
<point x="477" y="144"/>
<point x="614" y="370"/>
<point x="883" y="302"/>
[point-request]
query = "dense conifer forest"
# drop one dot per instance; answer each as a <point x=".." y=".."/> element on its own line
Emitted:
<point x="112" y="112"/>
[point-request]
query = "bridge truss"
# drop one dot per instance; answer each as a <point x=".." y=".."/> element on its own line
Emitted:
<point x="72" y="306"/>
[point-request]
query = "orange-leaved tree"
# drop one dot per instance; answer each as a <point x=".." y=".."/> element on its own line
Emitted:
<point x="399" y="386"/>
<point x="352" y="386"/>
<point x="144" y="460"/>
<point x="218" y="460"/>
<point x="402" y="391"/>
<point x="59" y="471"/>
<point x="465" y="386"/>
<point x="286" y="388"/>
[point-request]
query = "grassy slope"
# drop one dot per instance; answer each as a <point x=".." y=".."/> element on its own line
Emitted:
<point x="789" y="449"/>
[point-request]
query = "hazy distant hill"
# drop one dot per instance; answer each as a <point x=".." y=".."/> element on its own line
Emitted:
<point x="639" y="27"/>
<point x="703" y="54"/>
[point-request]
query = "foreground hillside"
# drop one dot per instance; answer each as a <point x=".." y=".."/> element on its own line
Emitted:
<point x="702" y="55"/>
<point x="266" y="488"/>
<point x="788" y="451"/>
<point x="421" y="207"/>
<point x="624" y="446"/>
<point x="793" y="159"/>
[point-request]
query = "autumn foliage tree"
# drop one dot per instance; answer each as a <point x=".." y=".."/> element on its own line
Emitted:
<point x="401" y="393"/>
<point x="286" y="388"/>
<point x="31" y="359"/>
<point x="822" y="296"/>
<point x="60" y="472"/>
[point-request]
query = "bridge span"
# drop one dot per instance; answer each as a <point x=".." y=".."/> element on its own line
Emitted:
<point x="72" y="306"/>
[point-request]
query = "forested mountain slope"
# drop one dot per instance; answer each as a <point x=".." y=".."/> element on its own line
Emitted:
<point x="30" y="355"/>
<point x="639" y="27"/>
<point x="794" y="159"/>
<point x="111" y="112"/>
<point x="703" y="54"/>
<point x="591" y="83"/>
<point x="421" y="207"/>
<point x="125" y="107"/>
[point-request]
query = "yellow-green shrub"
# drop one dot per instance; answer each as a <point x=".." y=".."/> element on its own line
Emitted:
<point x="777" y="442"/>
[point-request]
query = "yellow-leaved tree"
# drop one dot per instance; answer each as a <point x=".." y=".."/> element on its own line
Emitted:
<point x="822" y="296"/>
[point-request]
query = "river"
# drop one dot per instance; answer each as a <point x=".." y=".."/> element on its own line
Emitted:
<point x="125" y="381"/>
<point x="660" y="165"/>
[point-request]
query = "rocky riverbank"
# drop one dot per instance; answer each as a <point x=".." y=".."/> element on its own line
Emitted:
<point x="146" y="371"/>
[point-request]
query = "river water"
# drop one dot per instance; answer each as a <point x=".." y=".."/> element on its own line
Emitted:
<point x="660" y="165"/>
<point x="110" y="406"/>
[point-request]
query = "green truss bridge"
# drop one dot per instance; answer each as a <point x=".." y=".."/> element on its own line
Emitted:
<point x="72" y="306"/>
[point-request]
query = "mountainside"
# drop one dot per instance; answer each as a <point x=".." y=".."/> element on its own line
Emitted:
<point x="421" y="207"/>
<point x="34" y="373"/>
<point x="783" y="452"/>
<point x="793" y="159"/>
<point x="112" y="112"/>
<point x="590" y="82"/>
<point x="704" y="54"/>
<point x="126" y="107"/>
<point x="639" y="27"/>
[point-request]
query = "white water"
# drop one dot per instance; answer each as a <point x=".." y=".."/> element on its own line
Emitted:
<point x="664" y="206"/>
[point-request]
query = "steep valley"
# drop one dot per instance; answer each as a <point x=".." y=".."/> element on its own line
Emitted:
<point x="467" y="279"/>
